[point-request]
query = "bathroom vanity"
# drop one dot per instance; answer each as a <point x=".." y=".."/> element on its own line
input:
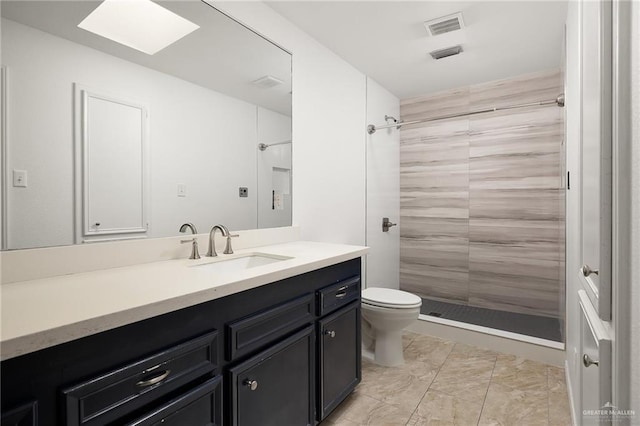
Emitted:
<point x="285" y="352"/>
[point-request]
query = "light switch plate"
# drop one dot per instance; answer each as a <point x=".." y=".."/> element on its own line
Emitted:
<point x="182" y="190"/>
<point x="20" y="178"/>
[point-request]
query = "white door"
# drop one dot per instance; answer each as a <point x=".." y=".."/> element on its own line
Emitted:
<point x="595" y="191"/>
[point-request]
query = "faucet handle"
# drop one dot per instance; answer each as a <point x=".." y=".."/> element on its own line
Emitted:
<point x="228" y="249"/>
<point x="194" y="248"/>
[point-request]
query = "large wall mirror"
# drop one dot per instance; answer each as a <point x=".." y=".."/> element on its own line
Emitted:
<point x="126" y="118"/>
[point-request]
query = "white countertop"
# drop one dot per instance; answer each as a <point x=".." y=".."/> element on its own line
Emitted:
<point x="45" y="312"/>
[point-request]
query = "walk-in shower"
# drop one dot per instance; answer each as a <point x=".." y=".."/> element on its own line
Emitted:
<point x="482" y="204"/>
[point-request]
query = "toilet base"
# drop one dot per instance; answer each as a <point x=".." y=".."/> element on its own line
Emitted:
<point x="388" y="348"/>
<point x="368" y="355"/>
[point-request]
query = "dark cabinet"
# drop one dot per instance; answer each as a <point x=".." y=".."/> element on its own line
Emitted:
<point x="339" y="353"/>
<point x="200" y="406"/>
<point x="282" y="354"/>
<point x="258" y="330"/>
<point x="340" y="294"/>
<point x="107" y="398"/>
<point x="25" y="415"/>
<point x="276" y="387"/>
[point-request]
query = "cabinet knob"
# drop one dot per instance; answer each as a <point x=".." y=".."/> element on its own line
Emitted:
<point x="588" y="361"/>
<point x="330" y="333"/>
<point x="586" y="270"/>
<point x="251" y="384"/>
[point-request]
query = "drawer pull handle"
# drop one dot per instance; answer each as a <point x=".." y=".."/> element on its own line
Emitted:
<point x="342" y="292"/>
<point x="152" y="381"/>
<point x="251" y="384"/>
<point x="588" y="361"/>
<point x="330" y="333"/>
<point x="586" y="270"/>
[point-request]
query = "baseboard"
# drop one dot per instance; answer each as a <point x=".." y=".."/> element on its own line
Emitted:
<point x="572" y="407"/>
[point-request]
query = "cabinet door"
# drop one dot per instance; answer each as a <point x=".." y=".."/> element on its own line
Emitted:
<point x="596" y="135"/>
<point x="595" y="371"/>
<point x="339" y="357"/>
<point x="26" y="415"/>
<point x="276" y="387"/>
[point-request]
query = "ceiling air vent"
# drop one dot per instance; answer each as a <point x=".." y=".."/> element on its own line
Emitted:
<point x="445" y="24"/>
<point x="267" y="82"/>
<point x="443" y="53"/>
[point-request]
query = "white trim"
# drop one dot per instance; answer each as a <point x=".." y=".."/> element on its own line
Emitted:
<point x="82" y="227"/>
<point x="4" y="165"/>
<point x="572" y="407"/>
<point x="103" y="240"/>
<point x="495" y="332"/>
<point x="622" y="181"/>
<point x="502" y="344"/>
<point x="598" y="329"/>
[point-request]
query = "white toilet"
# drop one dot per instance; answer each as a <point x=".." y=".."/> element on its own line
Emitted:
<point x="385" y="312"/>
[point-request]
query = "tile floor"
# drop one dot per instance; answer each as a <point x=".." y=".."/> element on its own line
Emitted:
<point x="448" y="383"/>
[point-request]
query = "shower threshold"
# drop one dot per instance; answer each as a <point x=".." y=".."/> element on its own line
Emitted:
<point x="540" y="327"/>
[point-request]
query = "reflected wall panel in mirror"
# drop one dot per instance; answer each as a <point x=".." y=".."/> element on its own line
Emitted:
<point x="211" y="98"/>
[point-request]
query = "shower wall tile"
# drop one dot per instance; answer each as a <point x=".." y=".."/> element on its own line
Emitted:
<point x="527" y="88"/>
<point x="434" y="282"/>
<point x="513" y="261"/>
<point x="454" y="101"/>
<point x="533" y="295"/>
<point x="515" y="232"/>
<point x="434" y="195"/>
<point x="482" y="199"/>
<point x="517" y="150"/>
<point x="527" y="204"/>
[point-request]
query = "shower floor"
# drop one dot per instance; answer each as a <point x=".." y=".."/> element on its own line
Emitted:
<point x="529" y="325"/>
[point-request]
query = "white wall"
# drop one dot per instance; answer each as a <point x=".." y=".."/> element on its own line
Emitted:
<point x="634" y="255"/>
<point x="572" y="134"/>
<point x="183" y="117"/>
<point x="273" y="128"/>
<point x="383" y="189"/>
<point x="328" y="130"/>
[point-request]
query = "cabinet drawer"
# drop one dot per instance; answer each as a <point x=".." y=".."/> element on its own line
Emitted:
<point x="249" y="334"/>
<point x="106" y="398"/>
<point x="26" y="415"/>
<point x="201" y="406"/>
<point x="338" y="295"/>
<point x="276" y="387"/>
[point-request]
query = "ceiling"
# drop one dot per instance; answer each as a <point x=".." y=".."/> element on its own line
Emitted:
<point x="221" y="55"/>
<point x="387" y="40"/>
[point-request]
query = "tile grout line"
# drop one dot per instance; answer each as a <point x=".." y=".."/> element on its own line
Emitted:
<point x="432" y="380"/>
<point x="487" y="393"/>
<point x="548" y="397"/>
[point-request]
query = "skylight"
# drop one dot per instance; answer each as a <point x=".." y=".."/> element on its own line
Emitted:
<point x="140" y="24"/>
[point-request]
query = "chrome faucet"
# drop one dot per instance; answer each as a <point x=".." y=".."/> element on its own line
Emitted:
<point x="193" y="241"/>
<point x="212" y="240"/>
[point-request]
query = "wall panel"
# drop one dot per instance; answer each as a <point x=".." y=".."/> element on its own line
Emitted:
<point x="482" y="220"/>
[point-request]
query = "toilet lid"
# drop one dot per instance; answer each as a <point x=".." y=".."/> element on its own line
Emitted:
<point x="390" y="298"/>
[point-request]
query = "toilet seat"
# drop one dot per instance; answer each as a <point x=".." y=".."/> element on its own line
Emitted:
<point x="390" y="298"/>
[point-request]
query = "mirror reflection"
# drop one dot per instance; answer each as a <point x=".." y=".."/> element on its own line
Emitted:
<point x="109" y="136"/>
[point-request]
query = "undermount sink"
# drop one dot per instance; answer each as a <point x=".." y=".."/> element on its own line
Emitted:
<point x="241" y="262"/>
